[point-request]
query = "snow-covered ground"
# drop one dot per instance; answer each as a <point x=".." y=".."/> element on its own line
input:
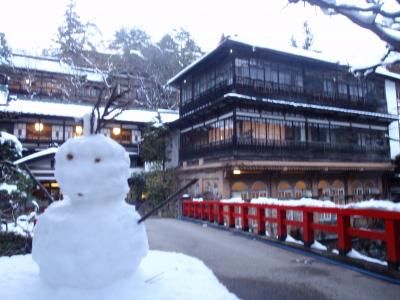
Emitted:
<point x="161" y="275"/>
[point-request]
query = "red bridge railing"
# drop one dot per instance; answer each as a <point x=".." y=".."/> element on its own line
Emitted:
<point x="256" y="216"/>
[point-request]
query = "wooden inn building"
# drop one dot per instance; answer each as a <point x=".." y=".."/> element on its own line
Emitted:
<point x="42" y="105"/>
<point x="261" y="122"/>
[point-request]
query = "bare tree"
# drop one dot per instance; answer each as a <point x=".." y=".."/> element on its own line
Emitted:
<point x="109" y="105"/>
<point x="376" y="16"/>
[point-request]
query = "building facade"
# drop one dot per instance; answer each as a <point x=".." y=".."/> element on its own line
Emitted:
<point x="43" y="107"/>
<point x="258" y="122"/>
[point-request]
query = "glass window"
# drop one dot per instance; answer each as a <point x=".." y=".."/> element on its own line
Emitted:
<point x="329" y="87"/>
<point x="271" y="72"/>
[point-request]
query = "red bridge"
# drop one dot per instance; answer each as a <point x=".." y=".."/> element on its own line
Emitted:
<point x="309" y="219"/>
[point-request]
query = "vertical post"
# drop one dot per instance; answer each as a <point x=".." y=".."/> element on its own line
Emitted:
<point x="245" y="216"/>
<point x="344" y="240"/>
<point x="392" y="230"/>
<point x="260" y="220"/>
<point x="203" y="210"/>
<point x="282" y="230"/>
<point x="308" y="232"/>
<point x="231" y="215"/>
<point x="191" y="209"/>
<point x="220" y="212"/>
<point x="195" y="210"/>
<point x="211" y="211"/>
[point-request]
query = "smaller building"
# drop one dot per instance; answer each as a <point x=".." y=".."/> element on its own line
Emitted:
<point x="42" y="125"/>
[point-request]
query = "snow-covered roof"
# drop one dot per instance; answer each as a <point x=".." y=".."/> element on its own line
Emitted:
<point x="314" y="106"/>
<point x="52" y="65"/>
<point x="289" y="50"/>
<point x="301" y="53"/>
<point x="45" y="108"/>
<point x="385" y="72"/>
<point x="36" y="155"/>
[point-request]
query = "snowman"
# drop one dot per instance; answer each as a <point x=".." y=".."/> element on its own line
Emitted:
<point x="92" y="238"/>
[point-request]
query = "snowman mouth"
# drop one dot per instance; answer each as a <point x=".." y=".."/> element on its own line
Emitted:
<point x="80" y="194"/>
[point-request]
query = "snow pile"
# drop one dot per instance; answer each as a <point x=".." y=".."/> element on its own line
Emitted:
<point x="4" y="137"/>
<point x="370" y="204"/>
<point x="233" y="200"/>
<point x="161" y="276"/>
<point x="197" y="199"/>
<point x="375" y="204"/>
<point x="93" y="227"/>
<point x="357" y="255"/>
<point x="318" y="246"/>
<point x="9" y="188"/>
<point x="299" y="202"/>
<point x="291" y="239"/>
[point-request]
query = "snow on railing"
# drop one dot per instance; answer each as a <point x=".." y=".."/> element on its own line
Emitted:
<point x="273" y="218"/>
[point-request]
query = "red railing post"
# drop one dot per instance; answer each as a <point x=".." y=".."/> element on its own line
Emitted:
<point x="392" y="230"/>
<point x="203" y="211"/>
<point x="231" y="215"/>
<point x="195" y="210"/>
<point x="308" y="232"/>
<point x="220" y="213"/>
<point x="281" y="217"/>
<point x="211" y="211"/>
<point x="260" y="220"/>
<point x="245" y="216"/>
<point x="344" y="240"/>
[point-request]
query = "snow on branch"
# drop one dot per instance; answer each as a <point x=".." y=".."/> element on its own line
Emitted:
<point x="372" y="15"/>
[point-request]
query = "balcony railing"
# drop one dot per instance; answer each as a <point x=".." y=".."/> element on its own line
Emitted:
<point x="280" y="92"/>
<point x="269" y="149"/>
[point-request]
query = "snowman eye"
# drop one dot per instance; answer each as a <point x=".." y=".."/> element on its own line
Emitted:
<point x="70" y="156"/>
<point x="97" y="160"/>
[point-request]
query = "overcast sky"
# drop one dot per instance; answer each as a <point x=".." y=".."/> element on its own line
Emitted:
<point x="32" y="24"/>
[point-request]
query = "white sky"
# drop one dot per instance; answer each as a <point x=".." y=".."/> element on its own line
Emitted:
<point x="32" y="24"/>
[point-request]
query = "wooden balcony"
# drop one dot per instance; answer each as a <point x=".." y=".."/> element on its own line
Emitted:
<point x="279" y="92"/>
<point x="262" y="149"/>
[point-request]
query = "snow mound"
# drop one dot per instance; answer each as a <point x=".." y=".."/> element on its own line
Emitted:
<point x="161" y="276"/>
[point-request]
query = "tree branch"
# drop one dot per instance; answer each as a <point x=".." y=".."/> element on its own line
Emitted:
<point x="369" y="22"/>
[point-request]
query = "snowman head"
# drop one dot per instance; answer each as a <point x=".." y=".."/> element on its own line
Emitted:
<point x="92" y="168"/>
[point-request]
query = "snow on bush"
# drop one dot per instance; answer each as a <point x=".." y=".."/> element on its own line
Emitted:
<point x="4" y="137"/>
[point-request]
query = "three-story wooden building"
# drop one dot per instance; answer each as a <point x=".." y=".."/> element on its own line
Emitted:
<point x="258" y="121"/>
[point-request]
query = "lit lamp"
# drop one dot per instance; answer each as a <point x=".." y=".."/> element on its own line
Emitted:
<point x="236" y="171"/>
<point x="38" y="126"/>
<point x="116" y="130"/>
<point x="78" y="129"/>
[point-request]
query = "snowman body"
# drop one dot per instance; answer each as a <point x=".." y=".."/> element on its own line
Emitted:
<point x="91" y="238"/>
